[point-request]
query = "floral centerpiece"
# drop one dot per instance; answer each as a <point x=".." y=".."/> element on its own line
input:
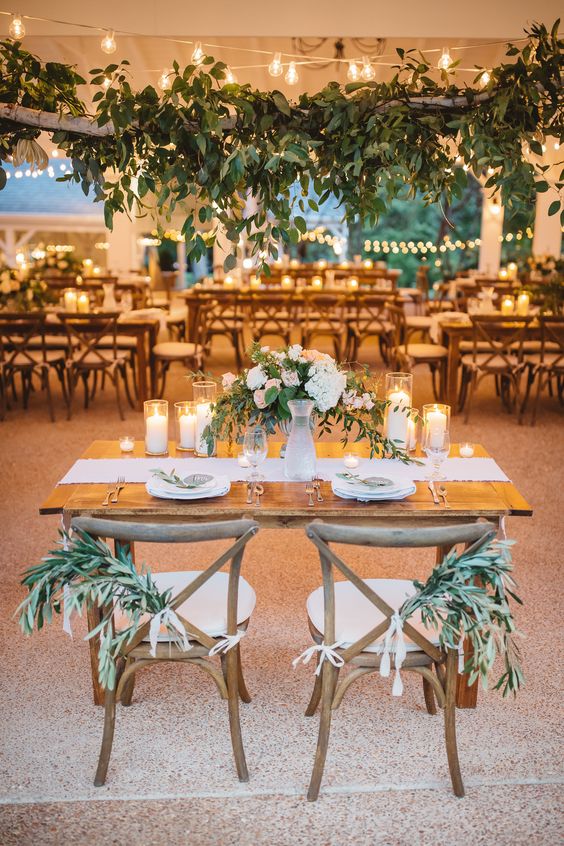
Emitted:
<point x="52" y="261"/>
<point x="22" y="291"/>
<point x="261" y="395"/>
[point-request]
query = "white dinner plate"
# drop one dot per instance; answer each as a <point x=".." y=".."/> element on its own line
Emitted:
<point x="388" y="495"/>
<point x="219" y="486"/>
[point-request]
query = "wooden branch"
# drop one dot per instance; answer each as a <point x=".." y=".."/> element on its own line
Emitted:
<point x="52" y="121"/>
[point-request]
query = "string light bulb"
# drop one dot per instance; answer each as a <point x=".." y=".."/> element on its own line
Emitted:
<point x="275" y="67"/>
<point x="108" y="44"/>
<point x="198" y="55"/>
<point x="291" y="76"/>
<point x="353" y="73"/>
<point x="164" y="79"/>
<point x="230" y="78"/>
<point x="16" y="29"/>
<point x="484" y="79"/>
<point x="367" y="73"/>
<point x="445" y="61"/>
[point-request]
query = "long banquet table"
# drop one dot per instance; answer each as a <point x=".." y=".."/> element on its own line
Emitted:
<point x="285" y="505"/>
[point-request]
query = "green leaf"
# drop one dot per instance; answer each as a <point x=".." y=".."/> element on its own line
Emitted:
<point x="281" y="103"/>
<point x="553" y="208"/>
<point x="230" y="262"/>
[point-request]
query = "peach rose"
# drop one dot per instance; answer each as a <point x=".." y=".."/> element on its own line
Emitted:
<point x="258" y="397"/>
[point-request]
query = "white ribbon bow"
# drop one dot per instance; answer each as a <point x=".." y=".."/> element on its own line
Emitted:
<point x="325" y="652"/>
<point x="394" y="641"/>
<point x="166" y="617"/>
<point x="227" y="642"/>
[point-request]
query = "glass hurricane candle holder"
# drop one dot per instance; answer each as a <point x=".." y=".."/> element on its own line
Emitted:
<point x="156" y="427"/>
<point x="204" y="396"/>
<point x="70" y="299"/>
<point x="185" y="413"/>
<point x="412" y="429"/>
<point x="83" y="303"/>
<point x="399" y="388"/>
<point x="436" y="423"/>
<point x="523" y="301"/>
<point x="507" y="305"/>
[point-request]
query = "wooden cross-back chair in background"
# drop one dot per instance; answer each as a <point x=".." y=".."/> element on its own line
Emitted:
<point x="272" y="315"/>
<point x="502" y="358"/>
<point x="23" y="351"/>
<point x="222" y="316"/>
<point x="356" y="613"/>
<point x="94" y="350"/>
<point x="323" y="317"/>
<point x="213" y="606"/>
<point x="547" y="364"/>
<point x="406" y="354"/>
<point x="368" y="318"/>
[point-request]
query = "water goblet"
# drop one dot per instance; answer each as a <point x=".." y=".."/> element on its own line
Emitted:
<point x="437" y="448"/>
<point x="255" y="450"/>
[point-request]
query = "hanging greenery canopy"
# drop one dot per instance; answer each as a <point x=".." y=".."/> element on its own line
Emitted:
<point x="204" y="146"/>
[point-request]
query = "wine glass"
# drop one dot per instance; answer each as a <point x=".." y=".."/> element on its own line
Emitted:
<point x="437" y="447"/>
<point x="255" y="449"/>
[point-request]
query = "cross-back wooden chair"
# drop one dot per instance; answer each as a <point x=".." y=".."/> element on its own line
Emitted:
<point x="23" y="351"/>
<point x="94" y="349"/>
<point x="547" y="364"/>
<point x="407" y="354"/>
<point x="272" y="315"/>
<point x="350" y="617"/>
<point x="214" y="607"/>
<point x="369" y="318"/>
<point x="222" y="315"/>
<point x="497" y="351"/>
<point x="323" y="317"/>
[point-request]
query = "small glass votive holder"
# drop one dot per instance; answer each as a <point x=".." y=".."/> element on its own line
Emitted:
<point x="185" y="413"/>
<point x="204" y="392"/>
<point x="351" y="460"/>
<point x="436" y="424"/>
<point x="466" y="450"/>
<point x="126" y="443"/>
<point x="156" y="426"/>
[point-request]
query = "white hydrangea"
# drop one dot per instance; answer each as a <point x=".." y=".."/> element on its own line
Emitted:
<point x="294" y="352"/>
<point x="325" y="384"/>
<point x="256" y="377"/>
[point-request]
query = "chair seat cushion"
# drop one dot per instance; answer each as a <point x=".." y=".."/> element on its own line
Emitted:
<point x="23" y="359"/>
<point x="355" y="615"/>
<point x="468" y="346"/>
<point x="550" y="360"/>
<point x="124" y="342"/>
<point x="423" y="351"/>
<point x="535" y="346"/>
<point x="207" y="607"/>
<point x="372" y="328"/>
<point x="418" y="321"/>
<point x="92" y="359"/>
<point x="177" y="314"/>
<point x="489" y="362"/>
<point x="176" y="350"/>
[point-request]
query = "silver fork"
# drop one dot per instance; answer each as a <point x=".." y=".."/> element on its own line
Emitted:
<point x="317" y="486"/>
<point x="309" y="489"/>
<point x="120" y="486"/>
<point x="109" y="492"/>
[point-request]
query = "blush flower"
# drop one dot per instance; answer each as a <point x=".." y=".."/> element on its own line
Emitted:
<point x="227" y="380"/>
<point x="258" y="397"/>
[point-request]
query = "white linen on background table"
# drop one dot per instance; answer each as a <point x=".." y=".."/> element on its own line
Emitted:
<point x="106" y="470"/>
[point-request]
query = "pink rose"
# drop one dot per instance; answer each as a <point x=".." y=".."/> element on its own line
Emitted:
<point x="272" y="383"/>
<point x="227" y="380"/>
<point x="358" y="402"/>
<point x="258" y="397"/>
<point x="368" y="404"/>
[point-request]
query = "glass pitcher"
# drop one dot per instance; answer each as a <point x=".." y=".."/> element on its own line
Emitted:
<point x="299" y="461"/>
<point x="109" y="303"/>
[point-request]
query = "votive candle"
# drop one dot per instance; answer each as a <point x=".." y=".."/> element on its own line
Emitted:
<point x="350" y="460"/>
<point x="466" y="450"/>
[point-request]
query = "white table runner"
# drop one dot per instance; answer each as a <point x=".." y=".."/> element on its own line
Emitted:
<point x="106" y="470"/>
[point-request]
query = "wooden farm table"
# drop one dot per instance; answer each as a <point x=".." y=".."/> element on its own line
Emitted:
<point x="284" y="505"/>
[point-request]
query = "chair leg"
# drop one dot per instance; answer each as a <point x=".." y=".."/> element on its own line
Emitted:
<point x="128" y="687"/>
<point x="537" y="398"/>
<point x="470" y="394"/>
<point x="429" y="697"/>
<point x="234" y="720"/>
<point x="126" y="384"/>
<point x="84" y="376"/>
<point x="243" y="692"/>
<point x="115" y="378"/>
<point x="45" y="377"/>
<point x="315" y="696"/>
<point x="450" y="723"/>
<point x="107" y="738"/>
<point x="330" y="675"/>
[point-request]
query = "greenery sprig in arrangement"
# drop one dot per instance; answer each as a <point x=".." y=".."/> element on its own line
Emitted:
<point x="467" y="594"/>
<point x="343" y="398"/>
<point x="204" y="145"/>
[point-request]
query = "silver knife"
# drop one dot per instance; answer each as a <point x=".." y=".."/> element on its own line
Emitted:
<point x="431" y="486"/>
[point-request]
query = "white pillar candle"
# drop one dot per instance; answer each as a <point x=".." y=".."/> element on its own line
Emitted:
<point x="436" y="423"/>
<point x="203" y="419"/>
<point x="187" y="430"/>
<point x="466" y="450"/>
<point x="70" y="301"/>
<point x="507" y="305"/>
<point x="156" y="434"/>
<point x="397" y="417"/>
<point x="83" y="303"/>
<point x="523" y="304"/>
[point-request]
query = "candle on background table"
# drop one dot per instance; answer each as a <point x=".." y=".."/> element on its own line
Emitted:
<point x="287" y="282"/>
<point x="83" y="303"/>
<point x="503" y="274"/>
<point x="228" y="282"/>
<point x="126" y="443"/>
<point x="436" y="422"/>
<point x="254" y="282"/>
<point x="352" y="283"/>
<point x="466" y="450"/>
<point x="70" y="300"/>
<point x="317" y="283"/>
<point x="397" y="418"/>
<point x="523" y="301"/>
<point x="512" y="270"/>
<point x="350" y="460"/>
<point x="507" y="305"/>
<point x="156" y="426"/>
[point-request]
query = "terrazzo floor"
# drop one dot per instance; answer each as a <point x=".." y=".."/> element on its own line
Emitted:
<point x="171" y="776"/>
